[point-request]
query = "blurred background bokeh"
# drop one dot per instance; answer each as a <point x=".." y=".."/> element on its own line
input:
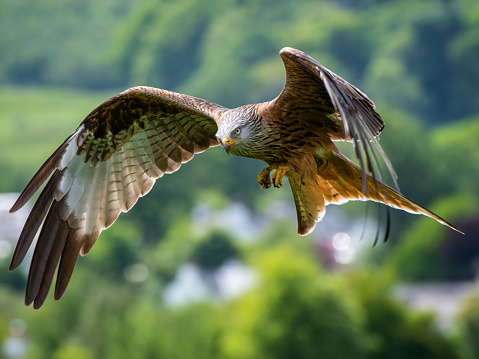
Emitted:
<point x="209" y="266"/>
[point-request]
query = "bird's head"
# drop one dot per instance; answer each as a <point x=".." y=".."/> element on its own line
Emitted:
<point x="231" y="139"/>
<point x="236" y="132"/>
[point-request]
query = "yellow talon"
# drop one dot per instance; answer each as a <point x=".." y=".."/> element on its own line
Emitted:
<point x="264" y="178"/>
<point x="278" y="175"/>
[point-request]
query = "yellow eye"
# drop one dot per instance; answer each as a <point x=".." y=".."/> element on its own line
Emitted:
<point x="237" y="131"/>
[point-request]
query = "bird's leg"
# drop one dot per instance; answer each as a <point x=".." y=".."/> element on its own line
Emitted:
<point x="264" y="177"/>
<point x="278" y="175"/>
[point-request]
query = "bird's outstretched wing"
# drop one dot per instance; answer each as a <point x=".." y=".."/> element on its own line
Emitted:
<point x="101" y="170"/>
<point x="323" y="100"/>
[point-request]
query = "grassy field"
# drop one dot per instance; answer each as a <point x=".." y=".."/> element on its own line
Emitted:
<point x="34" y="121"/>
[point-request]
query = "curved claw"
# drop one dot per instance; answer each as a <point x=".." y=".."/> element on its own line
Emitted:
<point x="278" y="175"/>
<point x="264" y="178"/>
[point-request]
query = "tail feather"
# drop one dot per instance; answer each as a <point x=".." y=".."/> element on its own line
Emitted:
<point x="310" y="205"/>
<point x="339" y="180"/>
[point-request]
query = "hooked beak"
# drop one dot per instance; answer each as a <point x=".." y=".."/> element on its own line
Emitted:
<point x="227" y="144"/>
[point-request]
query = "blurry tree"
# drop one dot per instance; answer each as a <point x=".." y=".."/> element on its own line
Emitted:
<point x="417" y="68"/>
<point x="12" y="280"/>
<point x="214" y="251"/>
<point x="12" y="323"/>
<point x="117" y="248"/>
<point x="161" y="43"/>
<point x="395" y="332"/>
<point x="176" y="247"/>
<point x="412" y="55"/>
<point x="294" y="312"/>
<point x="72" y="351"/>
<point x="457" y="163"/>
<point x="117" y="322"/>
<point x="409" y="148"/>
<point x="69" y="45"/>
<point x="420" y="256"/>
<point x="468" y="323"/>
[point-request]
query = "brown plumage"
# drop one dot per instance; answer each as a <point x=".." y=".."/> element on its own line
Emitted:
<point x="129" y="141"/>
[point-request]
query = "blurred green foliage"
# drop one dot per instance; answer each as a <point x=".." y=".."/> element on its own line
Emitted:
<point x="420" y="254"/>
<point x="416" y="59"/>
<point x="409" y="54"/>
<point x="294" y="312"/>
<point x="395" y="331"/>
<point x="469" y="327"/>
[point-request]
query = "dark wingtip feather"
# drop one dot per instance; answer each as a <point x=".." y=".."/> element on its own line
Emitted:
<point x="388" y="225"/>
<point x="35" y="183"/>
<point x="38" y="302"/>
<point x="40" y="177"/>
<point x="32" y="224"/>
<point x="48" y="271"/>
<point x="48" y="235"/>
<point x="67" y="264"/>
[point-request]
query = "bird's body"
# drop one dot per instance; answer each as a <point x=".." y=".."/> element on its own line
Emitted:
<point x="134" y="138"/>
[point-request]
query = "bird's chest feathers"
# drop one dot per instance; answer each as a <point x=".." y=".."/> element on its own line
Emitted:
<point x="293" y="139"/>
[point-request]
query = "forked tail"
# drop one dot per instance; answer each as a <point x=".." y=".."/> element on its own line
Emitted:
<point x="337" y="181"/>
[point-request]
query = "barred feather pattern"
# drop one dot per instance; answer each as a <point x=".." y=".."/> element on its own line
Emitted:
<point x="134" y="138"/>
<point x="100" y="171"/>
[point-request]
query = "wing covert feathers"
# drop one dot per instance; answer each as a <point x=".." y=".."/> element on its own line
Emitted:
<point x="112" y="159"/>
<point x="344" y="112"/>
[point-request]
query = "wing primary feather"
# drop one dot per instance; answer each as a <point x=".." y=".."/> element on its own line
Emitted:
<point x="361" y="130"/>
<point x="365" y="221"/>
<point x="67" y="262"/>
<point x="52" y="263"/>
<point x="33" y="222"/>
<point x="36" y="182"/>
<point x="388" y="226"/>
<point x="56" y="160"/>
<point x="377" y="177"/>
<point x="361" y="136"/>
<point x="45" y="241"/>
<point x="388" y="163"/>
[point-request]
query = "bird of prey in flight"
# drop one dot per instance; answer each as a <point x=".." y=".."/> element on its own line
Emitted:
<point x="134" y="138"/>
